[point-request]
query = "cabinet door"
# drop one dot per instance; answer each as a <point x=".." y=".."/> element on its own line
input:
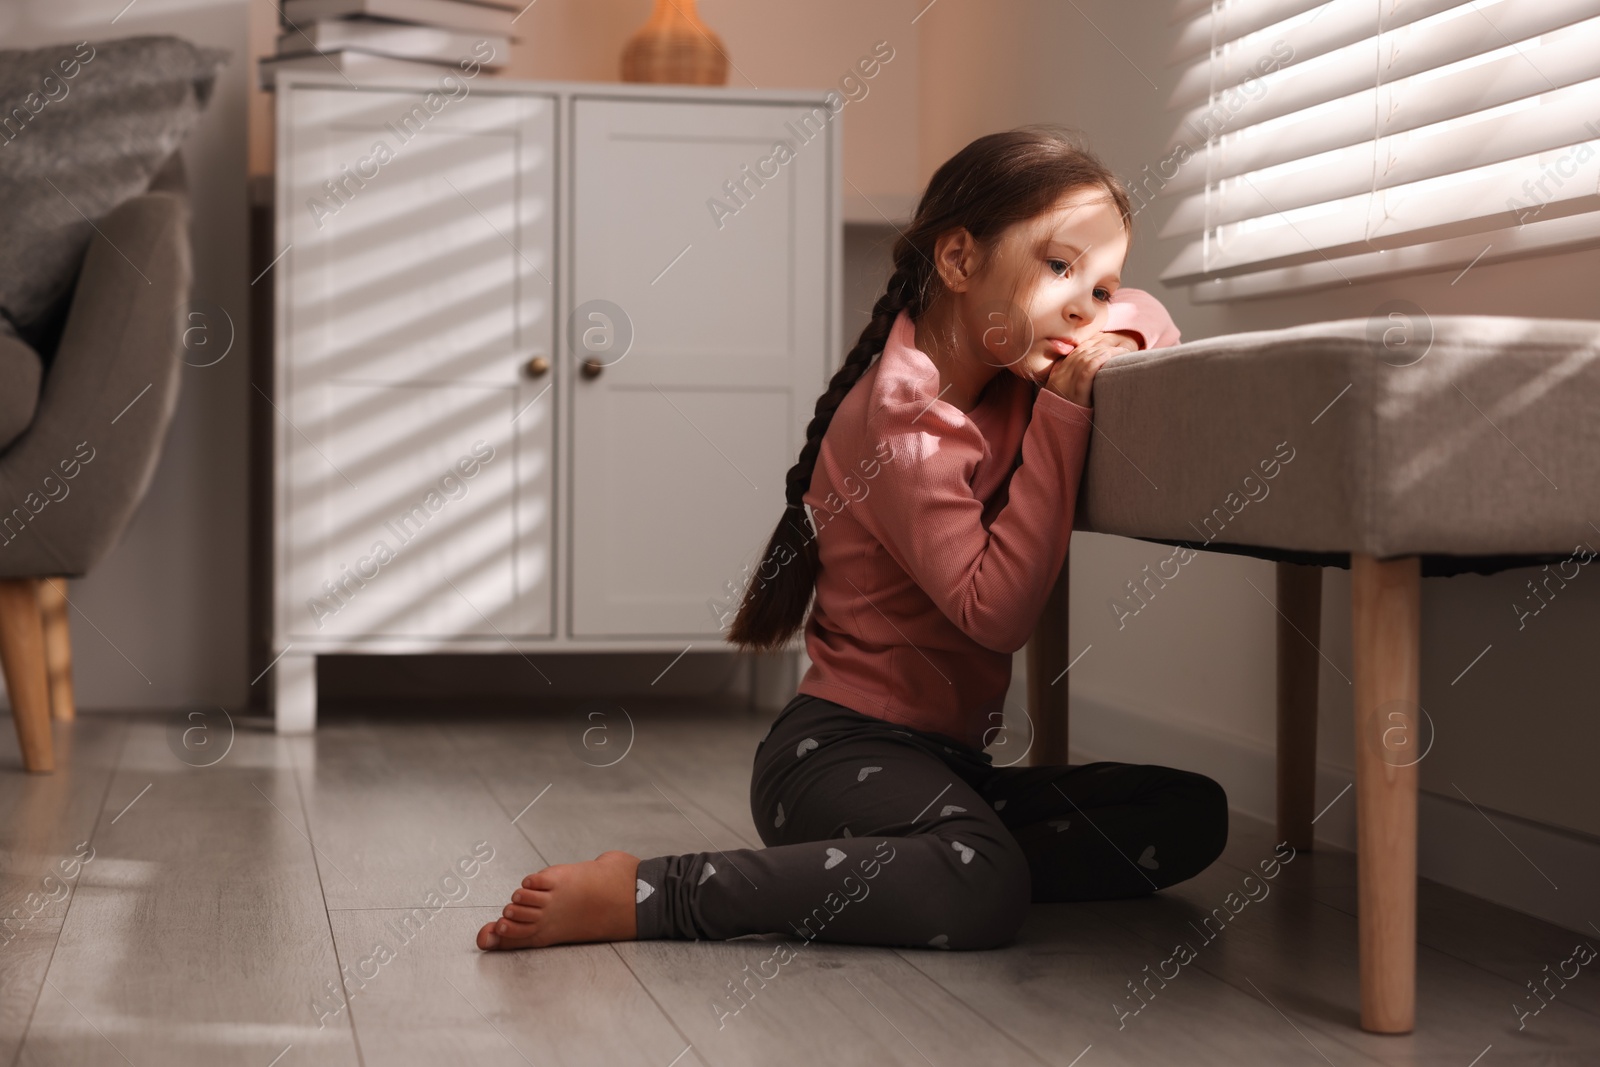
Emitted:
<point x="681" y="443"/>
<point x="417" y="453"/>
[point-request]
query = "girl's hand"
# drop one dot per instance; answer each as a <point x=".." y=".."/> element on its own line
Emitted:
<point x="1072" y="377"/>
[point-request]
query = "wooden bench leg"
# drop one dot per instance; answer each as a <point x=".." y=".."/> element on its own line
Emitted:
<point x="1048" y="656"/>
<point x="22" y="657"/>
<point x="1299" y="632"/>
<point x="1386" y="619"/>
<point x="57" y="647"/>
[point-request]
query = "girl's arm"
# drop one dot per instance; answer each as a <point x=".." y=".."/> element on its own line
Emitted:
<point x="990" y="581"/>
<point x="1139" y="315"/>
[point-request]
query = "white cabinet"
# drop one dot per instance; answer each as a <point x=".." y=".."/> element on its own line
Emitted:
<point x="678" y="462"/>
<point x="418" y="279"/>
<point x="534" y="389"/>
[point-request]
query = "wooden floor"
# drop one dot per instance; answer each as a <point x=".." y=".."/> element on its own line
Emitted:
<point x="211" y="923"/>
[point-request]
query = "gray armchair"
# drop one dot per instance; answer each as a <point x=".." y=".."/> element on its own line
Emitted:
<point x="70" y="481"/>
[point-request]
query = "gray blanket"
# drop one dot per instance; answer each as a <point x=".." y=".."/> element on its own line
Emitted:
<point x="84" y="127"/>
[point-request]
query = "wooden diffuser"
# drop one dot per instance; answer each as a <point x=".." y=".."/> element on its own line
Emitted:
<point x="675" y="46"/>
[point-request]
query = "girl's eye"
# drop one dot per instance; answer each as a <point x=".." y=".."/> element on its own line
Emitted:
<point x="1061" y="268"/>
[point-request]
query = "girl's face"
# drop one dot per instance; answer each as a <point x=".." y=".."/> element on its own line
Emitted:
<point x="1047" y="284"/>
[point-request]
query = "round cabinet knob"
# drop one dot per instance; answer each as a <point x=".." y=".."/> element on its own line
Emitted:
<point x="592" y="367"/>
<point x="537" y="367"/>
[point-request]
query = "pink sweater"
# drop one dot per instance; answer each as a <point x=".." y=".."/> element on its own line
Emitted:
<point x="936" y="558"/>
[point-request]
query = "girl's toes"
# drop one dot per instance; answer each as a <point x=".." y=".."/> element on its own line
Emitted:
<point x="514" y="934"/>
<point x="512" y="930"/>
<point x="537" y="880"/>
<point x="535" y="898"/>
<point x="520" y="914"/>
<point x="507" y="934"/>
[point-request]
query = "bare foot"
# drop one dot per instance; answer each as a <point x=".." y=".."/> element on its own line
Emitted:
<point x="592" y="901"/>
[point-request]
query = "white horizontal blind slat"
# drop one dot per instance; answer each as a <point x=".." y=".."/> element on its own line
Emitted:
<point x="1437" y="32"/>
<point x="1314" y="33"/>
<point x="1231" y="21"/>
<point x="1427" y="210"/>
<point x="1343" y="91"/>
<point x="1532" y="124"/>
<point x="1565" y="56"/>
<point x="1379" y="135"/>
<point x="1338" y="89"/>
<point x="1457" y="253"/>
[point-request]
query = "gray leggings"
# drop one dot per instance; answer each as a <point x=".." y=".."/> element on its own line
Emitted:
<point x="882" y="834"/>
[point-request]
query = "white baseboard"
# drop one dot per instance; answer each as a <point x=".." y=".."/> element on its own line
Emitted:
<point x="1556" y="877"/>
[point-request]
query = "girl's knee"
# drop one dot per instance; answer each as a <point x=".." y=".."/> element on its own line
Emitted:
<point x="988" y="905"/>
<point x="1204" y="811"/>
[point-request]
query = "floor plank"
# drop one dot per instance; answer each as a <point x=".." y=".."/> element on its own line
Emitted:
<point x="1264" y="947"/>
<point x="198" y="933"/>
<point x="44" y="841"/>
<point x="49" y="815"/>
<point x="1064" y="990"/>
<point x="24" y="961"/>
<point x="580" y="809"/>
<point x="434" y="999"/>
<point x="1516" y="947"/>
<point x="826" y="1004"/>
<point x="708" y="757"/>
<point x="393" y="810"/>
<point x="1503" y="942"/>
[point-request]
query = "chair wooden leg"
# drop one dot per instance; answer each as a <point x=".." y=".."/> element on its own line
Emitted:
<point x="22" y="657"/>
<point x="1299" y="631"/>
<point x="1386" y="619"/>
<point x="1048" y="656"/>
<point x="57" y="647"/>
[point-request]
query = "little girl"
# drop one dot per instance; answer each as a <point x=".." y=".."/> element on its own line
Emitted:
<point x="941" y="478"/>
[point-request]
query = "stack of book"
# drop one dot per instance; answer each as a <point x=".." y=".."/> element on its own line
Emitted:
<point x="382" y="38"/>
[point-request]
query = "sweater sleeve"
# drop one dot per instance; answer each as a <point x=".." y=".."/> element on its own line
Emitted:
<point x="990" y="582"/>
<point x="1137" y="312"/>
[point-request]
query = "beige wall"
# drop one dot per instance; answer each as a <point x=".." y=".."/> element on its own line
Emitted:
<point x="1520" y="731"/>
<point x="770" y="46"/>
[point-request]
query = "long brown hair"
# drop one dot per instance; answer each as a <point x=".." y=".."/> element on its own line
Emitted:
<point x="995" y="182"/>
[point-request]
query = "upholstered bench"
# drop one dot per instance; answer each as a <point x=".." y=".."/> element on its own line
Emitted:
<point x="1398" y="447"/>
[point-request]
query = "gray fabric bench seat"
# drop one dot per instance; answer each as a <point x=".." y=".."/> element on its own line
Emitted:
<point x="1475" y="445"/>
<point x="1394" y="446"/>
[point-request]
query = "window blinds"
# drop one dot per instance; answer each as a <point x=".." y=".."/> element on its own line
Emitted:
<point x="1325" y="143"/>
